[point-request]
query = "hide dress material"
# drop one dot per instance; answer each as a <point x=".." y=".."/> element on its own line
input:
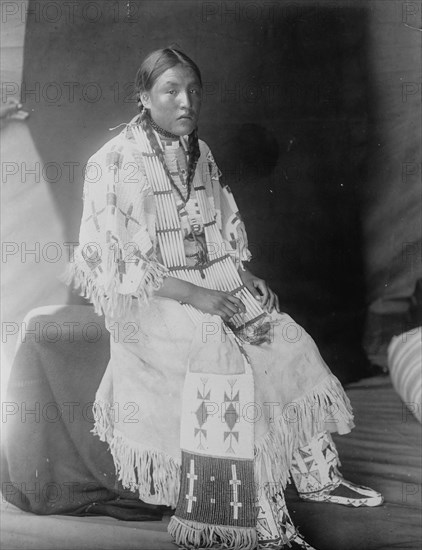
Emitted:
<point x="199" y="415"/>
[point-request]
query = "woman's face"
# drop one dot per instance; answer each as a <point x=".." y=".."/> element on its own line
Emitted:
<point x="175" y="100"/>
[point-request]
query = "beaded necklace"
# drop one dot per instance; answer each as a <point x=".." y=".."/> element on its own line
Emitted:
<point x="160" y="130"/>
<point x="159" y="152"/>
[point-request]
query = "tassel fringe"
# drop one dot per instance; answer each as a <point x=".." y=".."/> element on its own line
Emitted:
<point x="192" y="534"/>
<point x="147" y="471"/>
<point x="309" y="416"/>
<point x="109" y="301"/>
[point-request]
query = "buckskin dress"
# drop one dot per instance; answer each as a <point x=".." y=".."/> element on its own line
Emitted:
<point x="199" y="415"/>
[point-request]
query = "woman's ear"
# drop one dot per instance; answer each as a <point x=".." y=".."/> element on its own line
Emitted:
<point x="145" y="99"/>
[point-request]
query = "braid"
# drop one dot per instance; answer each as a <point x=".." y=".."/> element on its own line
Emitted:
<point x="146" y="126"/>
<point x="194" y="154"/>
<point x="139" y="102"/>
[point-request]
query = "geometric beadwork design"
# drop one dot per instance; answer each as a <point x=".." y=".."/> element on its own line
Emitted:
<point x="347" y="494"/>
<point x="217" y="491"/>
<point x="317" y="479"/>
<point x="274" y="525"/>
<point x="202" y="413"/>
<point x="231" y="415"/>
<point x="315" y="466"/>
<point x="128" y="216"/>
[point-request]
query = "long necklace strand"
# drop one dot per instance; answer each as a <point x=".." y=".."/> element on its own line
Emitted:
<point x="146" y="120"/>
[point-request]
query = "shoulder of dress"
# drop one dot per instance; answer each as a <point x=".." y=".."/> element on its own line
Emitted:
<point x="203" y="146"/>
<point x="118" y="148"/>
<point x="121" y="154"/>
<point x="206" y="153"/>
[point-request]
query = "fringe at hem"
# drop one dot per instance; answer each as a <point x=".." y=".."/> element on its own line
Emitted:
<point x="326" y="404"/>
<point x="109" y="301"/>
<point x="193" y="534"/>
<point x="151" y="473"/>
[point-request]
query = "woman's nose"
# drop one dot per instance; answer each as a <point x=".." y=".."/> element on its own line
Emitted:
<point x="185" y="100"/>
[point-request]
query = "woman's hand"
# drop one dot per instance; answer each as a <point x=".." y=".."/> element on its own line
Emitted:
<point x="216" y="302"/>
<point x="260" y="290"/>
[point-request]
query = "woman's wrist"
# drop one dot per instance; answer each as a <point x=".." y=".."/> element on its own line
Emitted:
<point x="179" y="290"/>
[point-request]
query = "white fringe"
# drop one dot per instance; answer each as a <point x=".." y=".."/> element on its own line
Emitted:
<point x="274" y="452"/>
<point x="193" y="534"/>
<point x="141" y="469"/>
<point x="110" y="302"/>
<point x="147" y="471"/>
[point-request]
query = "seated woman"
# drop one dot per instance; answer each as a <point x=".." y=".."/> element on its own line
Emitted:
<point x="212" y="397"/>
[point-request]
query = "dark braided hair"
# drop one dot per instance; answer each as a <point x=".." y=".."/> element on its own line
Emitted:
<point x="153" y="66"/>
<point x="146" y="126"/>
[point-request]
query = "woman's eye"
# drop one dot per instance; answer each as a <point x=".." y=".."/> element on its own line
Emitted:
<point x="172" y="92"/>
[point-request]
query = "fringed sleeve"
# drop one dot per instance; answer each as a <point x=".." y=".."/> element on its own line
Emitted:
<point x="228" y="217"/>
<point x="115" y="260"/>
